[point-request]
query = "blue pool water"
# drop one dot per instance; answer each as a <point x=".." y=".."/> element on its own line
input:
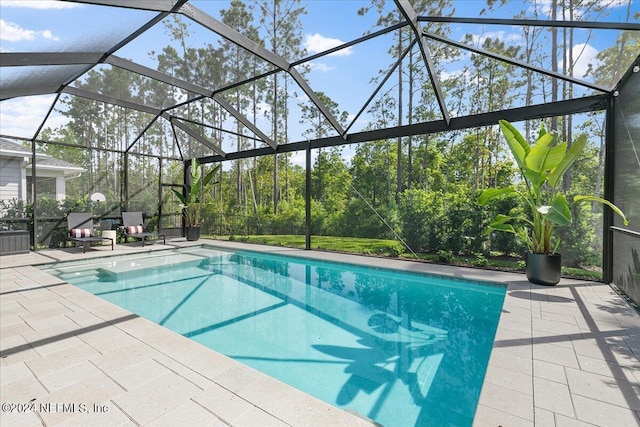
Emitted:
<point x="401" y="349"/>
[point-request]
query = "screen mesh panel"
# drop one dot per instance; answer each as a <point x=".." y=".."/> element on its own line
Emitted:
<point x="626" y="175"/>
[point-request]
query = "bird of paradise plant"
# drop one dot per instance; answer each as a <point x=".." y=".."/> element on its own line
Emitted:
<point x="196" y="193"/>
<point x="542" y="167"/>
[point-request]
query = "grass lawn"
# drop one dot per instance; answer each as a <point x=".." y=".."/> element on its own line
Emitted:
<point x="393" y="248"/>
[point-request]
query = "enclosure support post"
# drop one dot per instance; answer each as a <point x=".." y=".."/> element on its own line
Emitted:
<point x="34" y="198"/>
<point x="609" y="185"/>
<point x="307" y="200"/>
<point x="124" y="198"/>
<point x="186" y="179"/>
<point x="159" y="194"/>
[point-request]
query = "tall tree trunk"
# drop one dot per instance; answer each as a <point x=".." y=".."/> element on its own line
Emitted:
<point x="255" y="161"/>
<point x="399" y="140"/>
<point x="275" y="116"/>
<point x="554" y="61"/>
<point x="410" y="119"/>
<point x="566" y="183"/>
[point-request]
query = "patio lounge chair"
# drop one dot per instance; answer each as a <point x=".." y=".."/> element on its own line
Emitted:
<point x="134" y="227"/>
<point x="80" y="229"/>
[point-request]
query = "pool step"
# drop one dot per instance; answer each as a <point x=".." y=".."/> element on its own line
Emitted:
<point x="145" y="266"/>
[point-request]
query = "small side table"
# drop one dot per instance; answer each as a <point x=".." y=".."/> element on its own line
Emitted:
<point x="110" y="234"/>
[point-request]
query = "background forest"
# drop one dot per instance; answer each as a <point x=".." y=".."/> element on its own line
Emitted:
<point x="417" y="193"/>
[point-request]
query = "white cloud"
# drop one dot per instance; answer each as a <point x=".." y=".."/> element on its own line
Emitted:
<point x="22" y="116"/>
<point x="583" y="55"/>
<point x="12" y="32"/>
<point x="455" y="74"/>
<point x="317" y="43"/>
<point x="39" y="4"/>
<point x="320" y="66"/>
<point x="543" y="9"/>
<point x="515" y="38"/>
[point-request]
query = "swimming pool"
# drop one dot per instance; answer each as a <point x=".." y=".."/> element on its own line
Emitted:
<point x="403" y="349"/>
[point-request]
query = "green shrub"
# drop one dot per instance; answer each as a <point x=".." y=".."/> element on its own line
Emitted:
<point x="445" y="256"/>
<point x="395" y="250"/>
<point x="481" y="260"/>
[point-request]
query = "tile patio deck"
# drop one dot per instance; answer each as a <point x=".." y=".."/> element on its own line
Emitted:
<point x="567" y="355"/>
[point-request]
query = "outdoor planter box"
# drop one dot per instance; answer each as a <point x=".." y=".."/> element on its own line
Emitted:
<point x="14" y="242"/>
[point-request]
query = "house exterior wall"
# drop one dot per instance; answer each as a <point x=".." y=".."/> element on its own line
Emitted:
<point x="61" y="188"/>
<point x="12" y="178"/>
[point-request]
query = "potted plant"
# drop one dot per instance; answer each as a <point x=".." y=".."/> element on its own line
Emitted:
<point x="194" y="196"/>
<point x="542" y="167"/>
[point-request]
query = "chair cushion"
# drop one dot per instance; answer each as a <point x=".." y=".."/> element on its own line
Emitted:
<point x="81" y="232"/>
<point x="134" y="229"/>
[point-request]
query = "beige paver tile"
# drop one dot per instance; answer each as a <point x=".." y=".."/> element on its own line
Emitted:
<point x="188" y="413"/>
<point x="10" y="311"/>
<point x="552" y="396"/>
<point x="628" y="318"/>
<point x="64" y="377"/>
<point x="508" y="401"/>
<point x="516" y="308"/>
<point x="602" y="367"/>
<point x="198" y="358"/>
<point x="564" y="421"/>
<point x="486" y="416"/>
<point x="289" y="405"/>
<point x="40" y="321"/>
<point x="153" y="398"/>
<point x="549" y="371"/>
<point x="108" y="339"/>
<point x="50" y="341"/>
<point x="517" y="364"/>
<point x="513" y="336"/>
<point x="64" y="358"/>
<point x="602" y="413"/>
<point x="19" y="419"/>
<point x="337" y="417"/>
<point x="555" y="338"/>
<point x="105" y="414"/>
<point x="544" y="418"/>
<point x="516" y="324"/>
<point x="23" y="390"/>
<point x="507" y="378"/>
<point x="556" y="328"/>
<point x="607" y="326"/>
<point x="79" y="315"/>
<point x="139" y="327"/>
<point x="578" y="321"/>
<point x="237" y="377"/>
<point x="613" y="350"/>
<point x="12" y="372"/>
<point x="136" y="375"/>
<point x="185" y="371"/>
<point x="17" y="328"/>
<point x="303" y="411"/>
<point x="82" y="395"/>
<point x="42" y="303"/>
<point x="606" y="389"/>
<point x="226" y="405"/>
<point x="16" y="349"/>
<point x="562" y="308"/>
<point x="516" y="347"/>
<point x="555" y="354"/>
<point x="123" y="357"/>
<point x="257" y="417"/>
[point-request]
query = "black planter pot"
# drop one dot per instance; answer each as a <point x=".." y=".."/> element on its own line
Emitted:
<point x="543" y="269"/>
<point x="193" y="233"/>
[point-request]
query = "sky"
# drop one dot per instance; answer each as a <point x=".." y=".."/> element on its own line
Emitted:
<point x="42" y="25"/>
